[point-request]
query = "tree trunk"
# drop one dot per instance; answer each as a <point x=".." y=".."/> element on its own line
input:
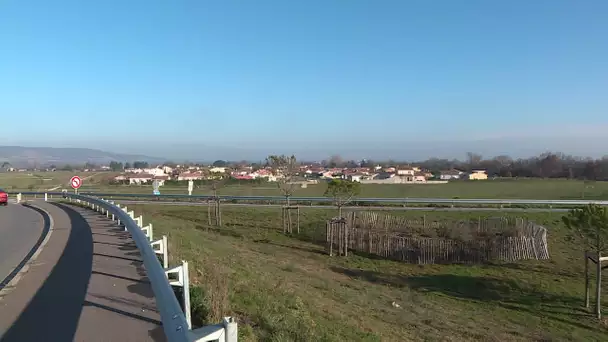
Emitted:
<point x="209" y="205"/>
<point x="286" y="216"/>
<point x="219" y="213"/>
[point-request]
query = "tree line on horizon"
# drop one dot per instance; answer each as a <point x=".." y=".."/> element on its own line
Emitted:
<point x="546" y="165"/>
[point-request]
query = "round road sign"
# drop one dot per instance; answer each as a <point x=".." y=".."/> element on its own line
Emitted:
<point x="76" y="182"/>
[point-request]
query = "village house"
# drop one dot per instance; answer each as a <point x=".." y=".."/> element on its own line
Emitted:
<point x="242" y="177"/>
<point x="419" y="177"/>
<point x="263" y="173"/>
<point x="217" y="170"/>
<point x="151" y="171"/>
<point x="145" y="178"/>
<point x="355" y="177"/>
<point x="121" y="178"/>
<point x="450" y="174"/>
<point x="190" y="176"/>
<point x="405" y="171"/>
<point x="477" y="175"/>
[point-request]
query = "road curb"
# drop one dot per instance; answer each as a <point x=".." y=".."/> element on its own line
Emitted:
<point x="9" y="283"/>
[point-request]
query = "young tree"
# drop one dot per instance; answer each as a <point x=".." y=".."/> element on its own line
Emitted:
<point x="589" y="225"/>
<point x="217" y="182"/>
<point x="342" y="192"/>
<point x="285" y="168"/>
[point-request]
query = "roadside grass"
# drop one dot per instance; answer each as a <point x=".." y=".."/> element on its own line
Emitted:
<point x="36" y="181"/>
<point x="42" y="181"/>
<point x="504" y="189"/>
<point x="288" y="289"/>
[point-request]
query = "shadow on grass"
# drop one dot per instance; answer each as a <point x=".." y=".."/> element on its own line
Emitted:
<point x="299" y="248"/>
<point x="223" y="231"/>
<point x="508" y="294"/>
<point x="537" y="268"/>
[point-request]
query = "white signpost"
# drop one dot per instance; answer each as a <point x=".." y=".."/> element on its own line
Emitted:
<point x="190" y="187"/>
<point x="76" y="183"/>
<point x="155" y="186"/>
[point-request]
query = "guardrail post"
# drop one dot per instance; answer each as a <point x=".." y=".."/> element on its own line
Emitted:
<point x="162" y="250"/>
<point x="117" y="219"/>
<point x="148" y="231"/>
<point x="225" y="331"/>
<point x="231" y="332"/>
<point x="183" y="281"/>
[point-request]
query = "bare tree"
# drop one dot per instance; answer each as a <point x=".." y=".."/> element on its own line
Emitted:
<point x="336" y="161"/>
<point x="285" y="169"/>
<point x="473" y="159"/>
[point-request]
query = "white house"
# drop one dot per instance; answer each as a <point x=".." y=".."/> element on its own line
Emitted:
<point x="143" y="178"/>
<point x="155" y="171"/>
<point x="450" y="174"/>
<point x="355" y="177"/>
<point x="190" y="176"/>
<point x="405" y="171"/>
<point x="217" y="170"/>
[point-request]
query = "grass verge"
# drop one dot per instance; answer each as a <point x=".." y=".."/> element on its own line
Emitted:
<point x="287" y="289"/>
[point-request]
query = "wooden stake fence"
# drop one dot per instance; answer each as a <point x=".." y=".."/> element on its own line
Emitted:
<point x="465" y="242"/>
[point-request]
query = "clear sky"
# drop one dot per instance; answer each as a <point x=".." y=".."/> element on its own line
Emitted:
<point x="330" y="75"/>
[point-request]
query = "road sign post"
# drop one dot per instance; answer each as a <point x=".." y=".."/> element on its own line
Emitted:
<point x="155" y="186"/>
<point x="190" y="187"/>
<point x="76" y="183"/>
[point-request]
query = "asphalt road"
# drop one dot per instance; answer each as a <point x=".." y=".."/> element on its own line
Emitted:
<point x="20" y="229"/>
<point x="530" y="210"/>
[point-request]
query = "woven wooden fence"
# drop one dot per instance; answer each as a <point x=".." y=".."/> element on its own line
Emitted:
<point x="476" y="241"/>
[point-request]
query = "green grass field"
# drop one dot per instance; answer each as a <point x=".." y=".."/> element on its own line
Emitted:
<point x="288" y="289"/>
<point x="507" y="189"/>
<point x="503" y="189"/>
<point x="42" y="181"/>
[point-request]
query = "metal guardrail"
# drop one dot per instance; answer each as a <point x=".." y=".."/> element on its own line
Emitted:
<point x="327" y="200"/>
<point x="175" y="321"/>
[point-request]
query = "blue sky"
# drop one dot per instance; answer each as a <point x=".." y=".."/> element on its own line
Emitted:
<point x="280" y="76"/>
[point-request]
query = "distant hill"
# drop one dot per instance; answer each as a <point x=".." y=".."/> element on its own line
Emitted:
<point x="19" y="156"/>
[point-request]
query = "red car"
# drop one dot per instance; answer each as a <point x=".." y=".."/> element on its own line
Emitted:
<point x="3" y="197"/>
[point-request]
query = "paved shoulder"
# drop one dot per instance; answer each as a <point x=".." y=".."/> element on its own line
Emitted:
<point x="20" y="230"/>
<point x="89" y="285"/>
